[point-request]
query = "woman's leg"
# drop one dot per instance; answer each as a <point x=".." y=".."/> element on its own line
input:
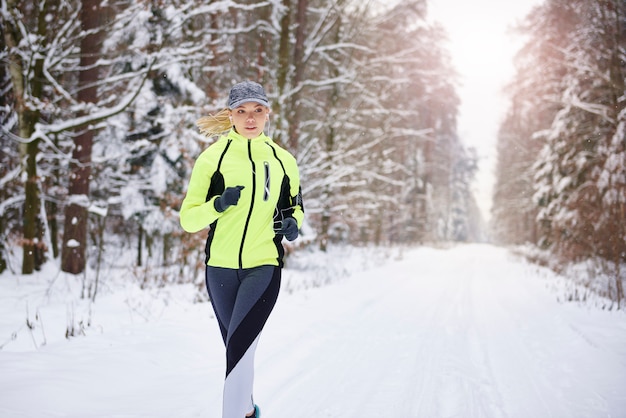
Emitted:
<point x="242" y="300"/>
<point x="222" y="285"/>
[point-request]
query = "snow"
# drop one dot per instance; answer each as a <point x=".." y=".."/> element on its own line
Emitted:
<point x="78" y="199"/>
<point x="72" y="243"/>
<point x="133" y="202"/>
<point x="98" y="210"/>
<point x="468" y="331"/>
<point x="175" y="75"/>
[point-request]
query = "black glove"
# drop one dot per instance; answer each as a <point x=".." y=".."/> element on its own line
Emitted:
<point x="229" y="198"/>
<point x="289" y="229"/>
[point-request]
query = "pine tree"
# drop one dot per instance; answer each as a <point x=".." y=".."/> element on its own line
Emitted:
<point x="534" y="94"/>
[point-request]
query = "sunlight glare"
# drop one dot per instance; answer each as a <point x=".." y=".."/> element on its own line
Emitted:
<point x="482" y="51"/>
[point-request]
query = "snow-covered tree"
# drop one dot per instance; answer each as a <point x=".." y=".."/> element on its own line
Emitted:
<point x="363" y="96"/>
<point x="43" y="49"/>
<point x="414" y="81"/>
<point x="9" y="160"/>
<point x="578" y="173"/>
<point x="26" y="36"/>
<point x="534" y="94"/>
<point x="579" y="168"/>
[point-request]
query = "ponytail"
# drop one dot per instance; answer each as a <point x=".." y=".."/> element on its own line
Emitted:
<point x="217" y="124"/>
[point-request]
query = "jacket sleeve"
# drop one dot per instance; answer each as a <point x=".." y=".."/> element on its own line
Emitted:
<point x="295" y="190"/>
<point x="196" y="213"/>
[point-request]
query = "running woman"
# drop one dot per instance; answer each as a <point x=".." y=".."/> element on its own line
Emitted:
<point x="246" y="189"/>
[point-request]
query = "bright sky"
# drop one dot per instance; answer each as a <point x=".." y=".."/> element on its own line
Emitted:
<point x="482" y="51"/>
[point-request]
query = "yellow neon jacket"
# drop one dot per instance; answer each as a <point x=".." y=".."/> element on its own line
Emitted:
<point x="243" y="235"/>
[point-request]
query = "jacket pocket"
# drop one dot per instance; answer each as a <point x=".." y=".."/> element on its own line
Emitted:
<point x="266" y="185"/>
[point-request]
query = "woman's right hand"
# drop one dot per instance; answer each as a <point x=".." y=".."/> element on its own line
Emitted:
<point x="230" y="197"/>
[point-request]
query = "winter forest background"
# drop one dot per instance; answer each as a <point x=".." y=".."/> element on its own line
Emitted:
<point x="99" y="102"/>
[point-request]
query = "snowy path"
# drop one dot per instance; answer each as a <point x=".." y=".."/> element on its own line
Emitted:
<point x="466" y="332"/>
<point x="458" y="333"/>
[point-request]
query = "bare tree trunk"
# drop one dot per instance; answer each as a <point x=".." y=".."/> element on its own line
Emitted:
<point x="282" y="73"/>
<point x="139" y="246"/>
<point x="616" y="72"/>
<point x="32" y="225"/>
<point x="326" y="196"/>
<point x="298" y="55"/>
<point x="329" y="149"/>
<point x="76" y="213"/>
<point x="52" y="208"/>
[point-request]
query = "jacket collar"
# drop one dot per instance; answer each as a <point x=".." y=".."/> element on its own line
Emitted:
<point x="238" y="137"/>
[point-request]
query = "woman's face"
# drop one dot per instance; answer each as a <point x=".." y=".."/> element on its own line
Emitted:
<point x="249" y="119"/>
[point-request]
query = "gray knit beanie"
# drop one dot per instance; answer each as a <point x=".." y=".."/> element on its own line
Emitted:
<point x="247" y="91"/>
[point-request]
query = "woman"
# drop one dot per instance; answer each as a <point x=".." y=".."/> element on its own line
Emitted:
<point x="247" y="190"/>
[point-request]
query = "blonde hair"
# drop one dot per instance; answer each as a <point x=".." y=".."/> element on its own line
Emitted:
<point x="217" y="124"/>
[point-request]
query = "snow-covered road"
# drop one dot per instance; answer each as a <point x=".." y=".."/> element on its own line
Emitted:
<point x="463" y="332"/>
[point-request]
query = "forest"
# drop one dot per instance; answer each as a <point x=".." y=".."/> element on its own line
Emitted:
<point x="100" y="98"/>
<point x="561" y="175"/>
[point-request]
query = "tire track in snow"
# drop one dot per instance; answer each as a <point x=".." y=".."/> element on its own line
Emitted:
<point x="534" y="353"/>
<point x="465" y="387"/>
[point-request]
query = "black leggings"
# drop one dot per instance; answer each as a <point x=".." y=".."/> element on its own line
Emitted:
<point x="242" y="301"/>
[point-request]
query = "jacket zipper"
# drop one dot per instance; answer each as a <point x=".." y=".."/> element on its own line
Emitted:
<point x="245" y="229"/>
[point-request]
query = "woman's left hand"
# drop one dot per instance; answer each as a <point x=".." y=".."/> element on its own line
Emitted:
<point x="289" y="229"/>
